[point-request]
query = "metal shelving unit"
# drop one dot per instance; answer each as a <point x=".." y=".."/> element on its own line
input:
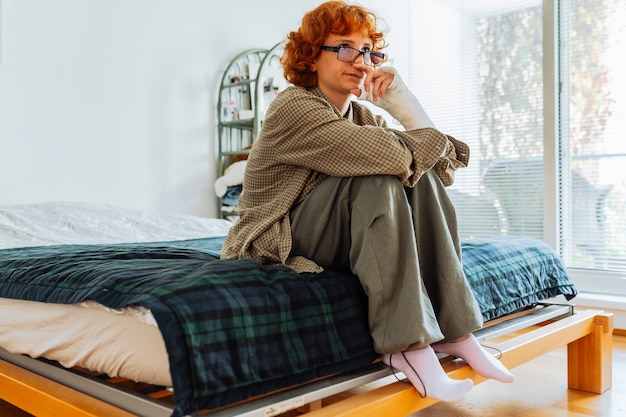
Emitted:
<point x="248" y="84"/>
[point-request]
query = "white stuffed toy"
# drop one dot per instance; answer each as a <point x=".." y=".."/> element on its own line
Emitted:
<point x="233" y="175"/>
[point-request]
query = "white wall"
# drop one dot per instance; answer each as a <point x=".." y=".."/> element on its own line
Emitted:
<point x="113" y="101"/>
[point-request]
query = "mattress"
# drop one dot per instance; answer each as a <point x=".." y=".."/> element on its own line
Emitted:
<point x="233" y="329"/>
<point x="117" y="343"/>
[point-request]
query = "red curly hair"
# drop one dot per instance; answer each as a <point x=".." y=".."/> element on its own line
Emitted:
<point x="303" y="45"/>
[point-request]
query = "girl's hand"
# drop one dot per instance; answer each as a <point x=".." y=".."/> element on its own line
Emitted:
<point x="376" y="81"/>
<point x="384" y="87"/>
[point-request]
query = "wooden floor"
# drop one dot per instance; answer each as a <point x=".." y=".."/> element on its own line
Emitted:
<point x="539" y="391"/>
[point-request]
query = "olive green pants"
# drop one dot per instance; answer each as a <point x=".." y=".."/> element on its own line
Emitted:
<point x="402" y="243"/>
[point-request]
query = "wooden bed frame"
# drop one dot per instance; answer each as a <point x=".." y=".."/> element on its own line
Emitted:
<point x="41" y="388"/>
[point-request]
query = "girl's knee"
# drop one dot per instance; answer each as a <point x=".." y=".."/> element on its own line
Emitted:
<point x="378" y="189"/>
<point x="379" y="182"/>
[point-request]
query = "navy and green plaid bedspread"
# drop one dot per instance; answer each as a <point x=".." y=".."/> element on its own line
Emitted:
<point x="234" y="329"/>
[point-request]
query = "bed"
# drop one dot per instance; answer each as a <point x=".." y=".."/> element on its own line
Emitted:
<point x="106" y="294"/>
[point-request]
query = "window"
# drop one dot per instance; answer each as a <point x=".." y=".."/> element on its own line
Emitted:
<point x="593" y="129"/>
<point x="546" y="121"/>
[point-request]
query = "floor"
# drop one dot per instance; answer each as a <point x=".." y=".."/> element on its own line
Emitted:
<point x="540" y="390"/>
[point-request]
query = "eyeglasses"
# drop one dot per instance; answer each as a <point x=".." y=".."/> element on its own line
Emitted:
<point x="347" y="54"/>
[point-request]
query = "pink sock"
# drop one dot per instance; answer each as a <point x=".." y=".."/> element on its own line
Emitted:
<point x="423" y="369"/>
<point x="477" y="357"/>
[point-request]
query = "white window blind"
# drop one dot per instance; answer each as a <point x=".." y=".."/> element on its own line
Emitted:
<point x="477" y="66"/>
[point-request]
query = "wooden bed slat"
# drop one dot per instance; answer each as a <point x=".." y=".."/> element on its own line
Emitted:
<point x="40" y="396"/>
<point x="86" y="383"/>
<point x="400" y="399"/>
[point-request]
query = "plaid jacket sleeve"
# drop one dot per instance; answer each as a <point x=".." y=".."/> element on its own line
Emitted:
<point x="456" y="156"/>
<point x="307" y="130"/>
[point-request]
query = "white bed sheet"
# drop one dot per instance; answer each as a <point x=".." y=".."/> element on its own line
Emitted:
<point x="126" y="342"/>
<point x="58" y="223"/>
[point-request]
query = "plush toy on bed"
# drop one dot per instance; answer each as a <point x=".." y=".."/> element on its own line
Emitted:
<point x="226" y="186"/>
<point x="229" y="185"/>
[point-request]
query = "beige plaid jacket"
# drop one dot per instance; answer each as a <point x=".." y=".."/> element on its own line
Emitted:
<point x="304" y="140"/>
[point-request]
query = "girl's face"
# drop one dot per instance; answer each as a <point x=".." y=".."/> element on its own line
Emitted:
<point x="337" y="79"/>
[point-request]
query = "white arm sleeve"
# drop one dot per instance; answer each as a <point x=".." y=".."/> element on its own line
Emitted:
<point x="400" y="103"/>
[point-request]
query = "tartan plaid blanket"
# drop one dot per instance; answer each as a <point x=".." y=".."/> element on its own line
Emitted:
<point x="509" y="273"/>
<point x="234" y="329"/>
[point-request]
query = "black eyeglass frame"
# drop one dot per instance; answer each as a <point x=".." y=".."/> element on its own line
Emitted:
<point x="367" y="55"/>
